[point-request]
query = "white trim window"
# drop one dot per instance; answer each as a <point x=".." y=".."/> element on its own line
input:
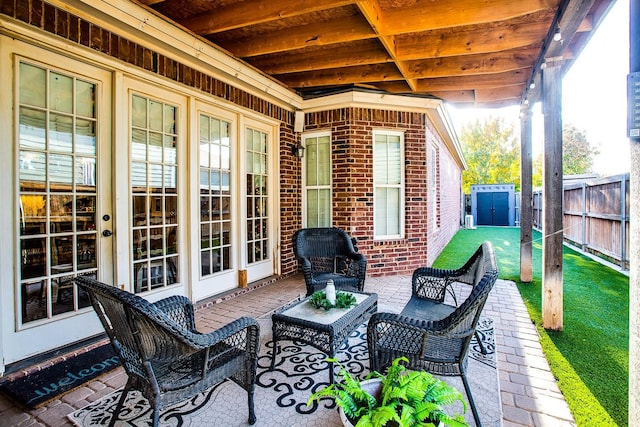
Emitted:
<point x="434" y="187"/>
<point x="317" y="180"/>
<point x="388" y="178"/>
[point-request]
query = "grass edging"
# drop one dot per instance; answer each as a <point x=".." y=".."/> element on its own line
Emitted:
<point x="584" y="406"/>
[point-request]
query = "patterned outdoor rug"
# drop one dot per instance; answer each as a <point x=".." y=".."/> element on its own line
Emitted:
<point x="281" y="395"/>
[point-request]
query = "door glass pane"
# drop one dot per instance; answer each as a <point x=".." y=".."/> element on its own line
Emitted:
<point x="85" y="99"/>
<point x="85" y="174"/>
<point x="155" y="250"/>
<point x="60" y="133"/>
<point x="33" y="171"/>
<point x="85" y="136"/>
<point x="33" y="132"/>
<point x="33" y="85"/>
<point x="60" y="92"/>
<point x="257" y="196"/>
<point x="57" y="191"/>
<point x="215" y="214"/>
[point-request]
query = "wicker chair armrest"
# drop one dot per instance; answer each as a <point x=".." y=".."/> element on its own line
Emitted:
<point x="305" y="264"/>
<point x="242" y="325"/>
<point x="179" y="309"/>
<point x="356" y="257"/>
<point x="441" y="272"/>
<point x="433" y="283"/>
<point x="405" y="322"/>
<point x="357" y="266"/>
<point x="396" y="334"/>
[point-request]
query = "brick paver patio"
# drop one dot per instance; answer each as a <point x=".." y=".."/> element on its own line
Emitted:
<point x="530" y="395"/>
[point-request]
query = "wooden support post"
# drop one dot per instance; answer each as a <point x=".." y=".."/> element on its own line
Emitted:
<point x="634" y="232"/>
<point x="526" y="190"/>
<point x="552" y="218"/>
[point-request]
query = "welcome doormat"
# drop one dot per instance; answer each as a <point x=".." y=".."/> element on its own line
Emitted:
<point x="281" y="395"/>
<point x="40" y="387"/>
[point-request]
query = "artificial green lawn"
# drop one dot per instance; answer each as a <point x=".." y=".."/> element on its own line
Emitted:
<point x="590" y="357"/>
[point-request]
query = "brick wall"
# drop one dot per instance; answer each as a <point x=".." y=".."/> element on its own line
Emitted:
<point x="352" y="157"/>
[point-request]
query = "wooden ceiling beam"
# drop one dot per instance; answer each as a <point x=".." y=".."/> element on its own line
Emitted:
<point x="323" y="58"/>
<point x="586" y="25"/>
<point x="445" y="13"/>
<point x="342" y="76"/>
<point x="252" y="12"/>
<point x="456" y="96"/>
<point x="452" y="42"/>
<point x="342" y="30"/>
<point x="397" y="86"/>
<point x="472" y="64"/>
<point x="499" y="93"/>
<point x="371" y="11"/>
<point x="483" y="81"/>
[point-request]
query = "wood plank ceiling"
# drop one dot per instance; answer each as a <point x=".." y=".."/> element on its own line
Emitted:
<point x="468" y="52"/>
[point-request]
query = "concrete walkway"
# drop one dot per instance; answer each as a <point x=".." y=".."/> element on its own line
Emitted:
<point x="530" y="395"/>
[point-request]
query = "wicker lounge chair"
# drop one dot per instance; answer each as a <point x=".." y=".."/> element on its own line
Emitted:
<point x="165" y="357"/>
<point x="435" y="337"/>
<point x="329" y="253"/>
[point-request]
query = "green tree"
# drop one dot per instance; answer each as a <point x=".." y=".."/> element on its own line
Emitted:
<point x="577" y="154"/>
<point x="492" y="152"/>
<point x="577" y="151"/>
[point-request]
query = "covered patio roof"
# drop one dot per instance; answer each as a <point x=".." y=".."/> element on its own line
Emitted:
<point x="468" y="53"/>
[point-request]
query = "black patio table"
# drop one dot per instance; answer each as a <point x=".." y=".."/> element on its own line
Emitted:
<point x="323" y="329"/>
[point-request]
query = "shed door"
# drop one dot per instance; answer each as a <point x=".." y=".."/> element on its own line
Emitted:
<point x="500" y="208"/>
<point x="493" y="208"/>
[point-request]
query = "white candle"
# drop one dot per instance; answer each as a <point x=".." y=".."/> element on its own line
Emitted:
<point x="330" y="290"/>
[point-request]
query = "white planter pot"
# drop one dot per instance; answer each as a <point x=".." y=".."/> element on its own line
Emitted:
<point x="373" y="387"/>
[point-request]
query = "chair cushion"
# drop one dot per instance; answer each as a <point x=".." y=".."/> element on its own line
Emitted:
<point x="420" y="308"/>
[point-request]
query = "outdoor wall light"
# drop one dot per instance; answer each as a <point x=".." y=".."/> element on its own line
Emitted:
<point x="298" y="150"/>
<point x="557" y="36"/>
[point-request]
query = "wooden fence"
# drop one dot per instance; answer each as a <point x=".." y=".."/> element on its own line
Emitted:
<point x="596" y="217"/>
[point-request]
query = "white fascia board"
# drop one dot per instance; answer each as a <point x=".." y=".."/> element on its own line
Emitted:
<point x="378" y="101"/>
<point x="442" y="121"/>
<point x="140" y="25"/>
<point x="435" y="110"/>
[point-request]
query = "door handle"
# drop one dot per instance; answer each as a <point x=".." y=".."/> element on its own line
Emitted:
<point x="107" y="233"/>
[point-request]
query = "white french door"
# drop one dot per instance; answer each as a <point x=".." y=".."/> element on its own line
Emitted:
<point x="62" y="198"/>
<point x="259" y="184"/>
<point x="215" y="238"/>
<point x="156" y="184"/>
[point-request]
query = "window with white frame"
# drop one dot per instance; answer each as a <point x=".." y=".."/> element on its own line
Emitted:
<point x="388" y="177"/>
<point x="434" y="187"/>
<point x="317" y="180"/>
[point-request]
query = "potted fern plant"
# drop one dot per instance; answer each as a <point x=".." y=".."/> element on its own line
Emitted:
<point x="401" y="398"/>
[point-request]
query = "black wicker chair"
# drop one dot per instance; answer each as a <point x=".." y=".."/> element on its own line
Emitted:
<point x="329" y="253"/>
<point x="435" y="337"/>
<point x="165" y="357"/>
